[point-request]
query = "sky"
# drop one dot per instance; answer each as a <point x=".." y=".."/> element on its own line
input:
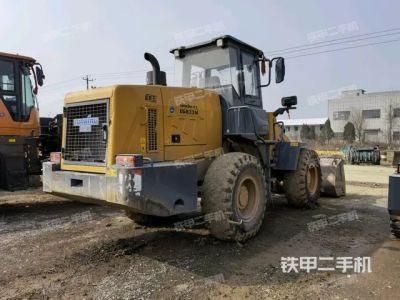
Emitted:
<point x="107" y="39"/>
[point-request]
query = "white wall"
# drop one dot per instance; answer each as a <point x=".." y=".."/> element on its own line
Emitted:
<point x="358" y="101"/>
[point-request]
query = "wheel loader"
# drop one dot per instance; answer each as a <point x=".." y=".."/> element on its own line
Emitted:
<point x="156" y="150"/>
<point x="23" y="142"/>
<point x="19" y="120"/>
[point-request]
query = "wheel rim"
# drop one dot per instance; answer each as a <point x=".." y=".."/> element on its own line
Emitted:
<point x="247" y="198"/>
<point x="312" y="179"/>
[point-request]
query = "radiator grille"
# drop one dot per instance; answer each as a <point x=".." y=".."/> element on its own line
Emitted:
<point x="86" y="134"/>
<point x="152" y="129"/>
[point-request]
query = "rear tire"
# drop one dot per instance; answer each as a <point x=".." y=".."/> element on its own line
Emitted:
<point x="303" y="186"/>
<point x="235" y="186"/>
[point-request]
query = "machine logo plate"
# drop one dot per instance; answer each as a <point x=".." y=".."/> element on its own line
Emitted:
<point x="85" y="124"/>
<point x="86" y="121"/>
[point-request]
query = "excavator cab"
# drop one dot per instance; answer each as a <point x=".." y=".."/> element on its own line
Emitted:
<point x="20" y="77"/>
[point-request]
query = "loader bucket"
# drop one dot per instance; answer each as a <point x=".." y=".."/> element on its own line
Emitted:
<point x="333" y="179"/>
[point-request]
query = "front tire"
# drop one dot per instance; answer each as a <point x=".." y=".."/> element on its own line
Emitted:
<point x="303" y="186"/>
<point x="235" y="186"/>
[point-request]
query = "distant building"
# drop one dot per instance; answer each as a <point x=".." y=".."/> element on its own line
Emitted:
<point x="380" y="114"/>
<point x="293" y="127"/>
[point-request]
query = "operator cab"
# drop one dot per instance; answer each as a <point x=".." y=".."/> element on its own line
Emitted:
<point x="16" y="89"/>
<point x="228" y="66"/>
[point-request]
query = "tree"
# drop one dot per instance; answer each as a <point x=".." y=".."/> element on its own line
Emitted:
<point x="349" y="133"/>
<point x="389" y="124"/>
<point x="322" y="136"/>
<point x="304" y="132"/>
<point x="311" y="133"/>
<point x="307" y="132"/>
<point x="358" y="122"/>
<point x="327" y="132"/>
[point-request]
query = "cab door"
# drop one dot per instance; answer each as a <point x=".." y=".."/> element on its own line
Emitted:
<point x="9" y="87"/>
<point x="18" y="110"/>
<point x="29" y="112"/>
<point x="250" y="78"/>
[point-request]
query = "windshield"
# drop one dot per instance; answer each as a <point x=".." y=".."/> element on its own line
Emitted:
<point x="207" y="68"/>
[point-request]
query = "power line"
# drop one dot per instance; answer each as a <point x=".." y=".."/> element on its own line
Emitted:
<point x="61" y="82"/>
<point x="334" y="40"/>
<point x="300" y="48"/>
<point x="53" y="90"/>
<point x="110" y="75"/>
<point x="106" y="75"/>
<point x="337" y="43"/>
<point x="340" y="49"/>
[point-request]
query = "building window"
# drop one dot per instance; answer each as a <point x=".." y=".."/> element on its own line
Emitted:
<point x="287" y="128"/>
<point x="371" y="114"/>
<point x="372" y="131"/>
<point x="341" y="115"/>
<point x="396" y="136"/>
<point x="296" y="128"/>
<point x="371" y="135"/>
<point x="338" y="135"/>
<point x="396" y="113"/>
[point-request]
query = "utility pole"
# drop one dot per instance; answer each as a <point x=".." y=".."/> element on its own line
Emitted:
<point x="87" y="79"/>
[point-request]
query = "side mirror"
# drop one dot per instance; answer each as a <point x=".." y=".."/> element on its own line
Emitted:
<point x="39" y="76"/>
<point x="263" y="66"/>
<point x="279" y="70"/>
<point x="289" y="101"/>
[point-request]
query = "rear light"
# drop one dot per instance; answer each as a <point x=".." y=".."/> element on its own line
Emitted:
<point x="55" y="157"/>
<point x="129" y="160"/>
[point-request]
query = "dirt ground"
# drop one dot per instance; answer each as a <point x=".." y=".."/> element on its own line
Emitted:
<point x="52" y="248"/>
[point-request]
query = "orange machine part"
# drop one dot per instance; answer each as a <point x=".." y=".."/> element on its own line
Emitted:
<point x="10" y="127"/>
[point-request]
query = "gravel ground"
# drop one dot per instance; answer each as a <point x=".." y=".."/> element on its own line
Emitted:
<point x="52" y="248"/>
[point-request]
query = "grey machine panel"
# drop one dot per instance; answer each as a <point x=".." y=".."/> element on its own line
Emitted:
<point x="394" y="194"/>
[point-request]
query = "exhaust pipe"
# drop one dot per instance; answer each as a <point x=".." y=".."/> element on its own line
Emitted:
<point x="155" y="77"/>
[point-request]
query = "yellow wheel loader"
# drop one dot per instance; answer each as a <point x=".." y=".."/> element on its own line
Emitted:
<point x="155" y="150"/>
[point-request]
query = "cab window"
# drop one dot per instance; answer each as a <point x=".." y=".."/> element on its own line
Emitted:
<point x="7" y="76"/>
<point x="249" y="75"/>
<point x="8" y="89"/>
<point x="28" y="100"/>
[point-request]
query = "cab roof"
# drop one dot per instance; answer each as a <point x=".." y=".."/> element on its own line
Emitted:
<point x="228" y="40"/>
<point x="17" y="57"/>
